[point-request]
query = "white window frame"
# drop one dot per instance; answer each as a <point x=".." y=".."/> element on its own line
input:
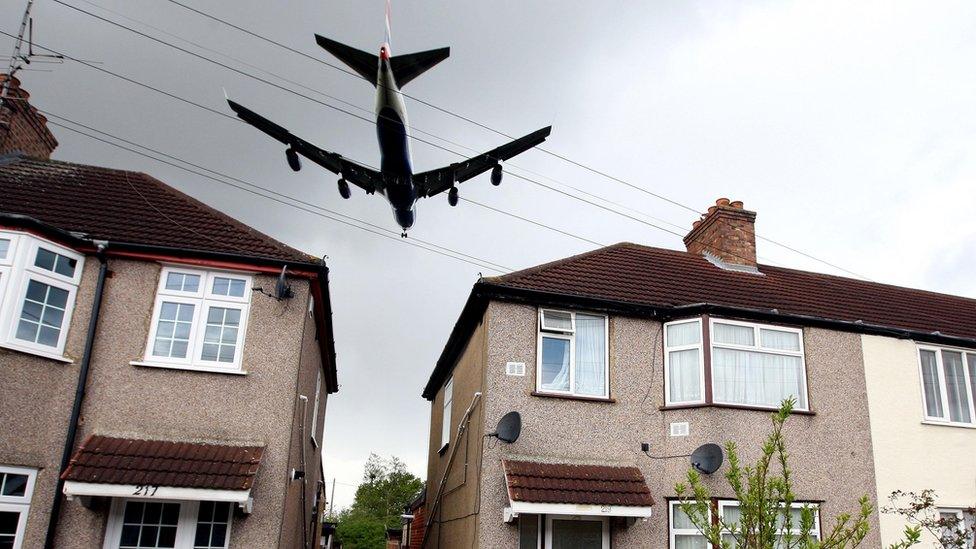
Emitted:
<point x="570" y="336"/>
<point x="674" y="532"/>
<point x="759" y="349"/>
<point x="815" y="507"/>
<point x="701" y="361"/>
<point x="589" y="518"/>
<point x="19" y="504"/>
<point x="202" y="300"/>
<point x="943" y="388"/>
<point x="185" y="529"/>
<point x="960" y="514"/>
<point x="446" y="406"/>
<point x="17" y="269"/>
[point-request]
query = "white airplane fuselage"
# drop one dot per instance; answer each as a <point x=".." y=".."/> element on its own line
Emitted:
<point x="393" y="134"/>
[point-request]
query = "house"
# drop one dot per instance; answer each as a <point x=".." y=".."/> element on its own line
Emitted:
<point x="630" y="344"/>
<point x="158" y="391"/>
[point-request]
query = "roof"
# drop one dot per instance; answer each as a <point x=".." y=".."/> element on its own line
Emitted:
<point x="534" y="482"/>
<point x="107" y="460"/>
<point x="659" y="283"/>
<point x="127" y="207"/>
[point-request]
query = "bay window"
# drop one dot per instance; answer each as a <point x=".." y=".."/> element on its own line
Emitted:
<point x="38" y="283"/>
<point x="572" y="350"/>
<point x="136" y="524"/>
<point x="754" y="365"/>
<point x="948" y="385"/>
<point x="199" y="320"/>
<point x="16" y="489"/>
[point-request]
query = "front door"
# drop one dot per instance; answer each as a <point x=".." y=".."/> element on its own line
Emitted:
<point x="577" y="532"/>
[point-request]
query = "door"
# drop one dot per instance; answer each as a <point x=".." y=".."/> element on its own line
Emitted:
<point x="577" y="532"/>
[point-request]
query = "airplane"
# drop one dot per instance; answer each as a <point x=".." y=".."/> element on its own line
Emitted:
<point x="396" y="179"/>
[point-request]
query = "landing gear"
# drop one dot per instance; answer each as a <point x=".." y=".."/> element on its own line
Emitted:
<point x="403" y="234"/>
<point x="452" y="196"/>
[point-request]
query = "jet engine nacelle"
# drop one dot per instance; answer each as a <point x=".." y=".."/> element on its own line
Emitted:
<point x="344" y="191"/>
<point x="452" y="196"/>
<point x="496" y="175"/>
<point x="293" y="161"/>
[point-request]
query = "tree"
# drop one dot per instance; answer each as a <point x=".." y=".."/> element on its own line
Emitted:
<point x="767" y="516"/>
<point x="920" y="511"/>
<point x="387" y="488"/>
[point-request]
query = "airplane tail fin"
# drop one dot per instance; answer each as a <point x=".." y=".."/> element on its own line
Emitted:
<point x="409" y="66"/>
<point x="365" y="64"/>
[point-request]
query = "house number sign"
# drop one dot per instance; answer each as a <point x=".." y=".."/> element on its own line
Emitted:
<point x="145" y="490"/>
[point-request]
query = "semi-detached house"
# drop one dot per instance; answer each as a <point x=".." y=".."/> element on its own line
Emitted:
<point x="630" y="344"/>
<point x="157" y="390"/>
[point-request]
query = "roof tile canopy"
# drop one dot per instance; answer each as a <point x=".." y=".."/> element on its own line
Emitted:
<point x="533" y="482"/>
<point x="129" y="207"/>
<point x="633" y="274"/>
<point x="106" y="460"/>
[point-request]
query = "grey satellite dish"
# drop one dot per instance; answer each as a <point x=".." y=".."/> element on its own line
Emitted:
<point x="282" y="289"/>
<point x="509" y="427"/>
<point x="707" y="458"/>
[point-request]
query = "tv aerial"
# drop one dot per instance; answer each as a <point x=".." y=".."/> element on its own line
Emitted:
<point x="508" y="429"/>
<point x="706" y="459"/>
<point x="282" y="289"/>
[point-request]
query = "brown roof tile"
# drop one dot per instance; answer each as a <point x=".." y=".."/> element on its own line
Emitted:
<point x="109" y="460"/>
<point x="128" y="207"/>
<point x="633" y="274"/>
<point x="534" y="482"/>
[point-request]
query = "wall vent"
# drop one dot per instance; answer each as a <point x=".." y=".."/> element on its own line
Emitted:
<point x="680" y="429"/>
<point x="515" y="368"/>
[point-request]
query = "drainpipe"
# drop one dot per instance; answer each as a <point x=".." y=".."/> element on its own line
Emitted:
<point x="69" y="442"/>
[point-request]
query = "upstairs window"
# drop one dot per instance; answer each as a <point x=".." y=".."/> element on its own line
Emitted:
<point x="948" y="385"/>
<point x="684" y="365"/>
<point x="446" y="416"/>
<point x="199" y="319"/>
<point x="38" y="283"/>
<point x="572" y="354"/>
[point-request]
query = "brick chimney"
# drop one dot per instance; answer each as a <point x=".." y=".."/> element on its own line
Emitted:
<point x="727" y="232"/>
<point x="22" y="128"/>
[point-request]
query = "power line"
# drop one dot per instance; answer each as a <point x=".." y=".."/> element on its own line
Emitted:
<point x="503" y="134"/>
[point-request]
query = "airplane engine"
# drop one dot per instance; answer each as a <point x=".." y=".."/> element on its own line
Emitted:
<point x="293" y="161"/>
<point x="496" y="175"/>
<point x="344" y="191"/>
<point x="452" y="196"/>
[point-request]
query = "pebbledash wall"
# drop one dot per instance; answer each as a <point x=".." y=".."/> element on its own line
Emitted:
<point x="830" y="450"/>
<point x="909" y="454"/>
<point x="281" y="361"/>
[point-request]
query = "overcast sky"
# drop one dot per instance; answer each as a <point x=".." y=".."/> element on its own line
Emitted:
<point x="850" y="127"/>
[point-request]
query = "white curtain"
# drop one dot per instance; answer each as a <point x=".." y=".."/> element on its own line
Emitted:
<point x="684" y="380"/>
<point x="956" y="392"/>
<point x="688" y="333"/>
<point x="680" y="521"/>
<point x="555" y="364"/>
<point x="972" y="375"/>
<point x="930" y="382"/>
<point x="776" y="339"/>
<point x="755" y="378"/>
<point x="733" y="334"/>
<point x="590" y="355"/>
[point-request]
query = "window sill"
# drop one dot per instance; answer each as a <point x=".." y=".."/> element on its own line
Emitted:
<point x="573" y="397"/>
<point x="37" y="352"/>
<point x="189" y="368"/>
<point x="732" y="407"/>
<point x="949" y="424"/>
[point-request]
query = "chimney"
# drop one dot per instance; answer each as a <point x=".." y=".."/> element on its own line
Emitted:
<point x="726" y="232"/>
<point x="22" y="128"/>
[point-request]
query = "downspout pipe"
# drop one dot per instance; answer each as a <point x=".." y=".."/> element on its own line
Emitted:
<point x="69" y="443"/>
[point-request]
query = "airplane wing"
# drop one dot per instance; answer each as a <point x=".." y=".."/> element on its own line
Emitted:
<point x="440" y="180"/>
<point x="365" y="178"/>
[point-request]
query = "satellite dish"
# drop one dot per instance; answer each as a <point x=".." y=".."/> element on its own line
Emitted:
<point x="707" y="458"/>
<point x="282" y="289"/>
<point x="509" y="427"/>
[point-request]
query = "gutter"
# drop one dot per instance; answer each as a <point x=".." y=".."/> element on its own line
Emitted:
<point x="72" y="435"/>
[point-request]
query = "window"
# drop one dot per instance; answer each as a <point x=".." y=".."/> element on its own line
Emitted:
<point x="957" y="525"/>
<point x="38" y="283"/>
<point x="948" y="385"/>
<point x="757" y="365"/>
<point x="16" y="488"/>
<point x="138" y="524"/>
<point x="684" y="365"/>
<point x="572" y="354"/>
<point x="577" y="532"/>
<point x="315" y="407"/>
<point x="446" y="416"/>
<point x="685" y="535"/>
<point x="199" y="320"/>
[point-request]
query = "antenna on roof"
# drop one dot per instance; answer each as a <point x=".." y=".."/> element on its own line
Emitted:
<point x="282" y="289"/>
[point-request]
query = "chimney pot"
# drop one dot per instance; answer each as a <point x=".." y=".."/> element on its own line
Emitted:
<point x="727" y="231"/>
